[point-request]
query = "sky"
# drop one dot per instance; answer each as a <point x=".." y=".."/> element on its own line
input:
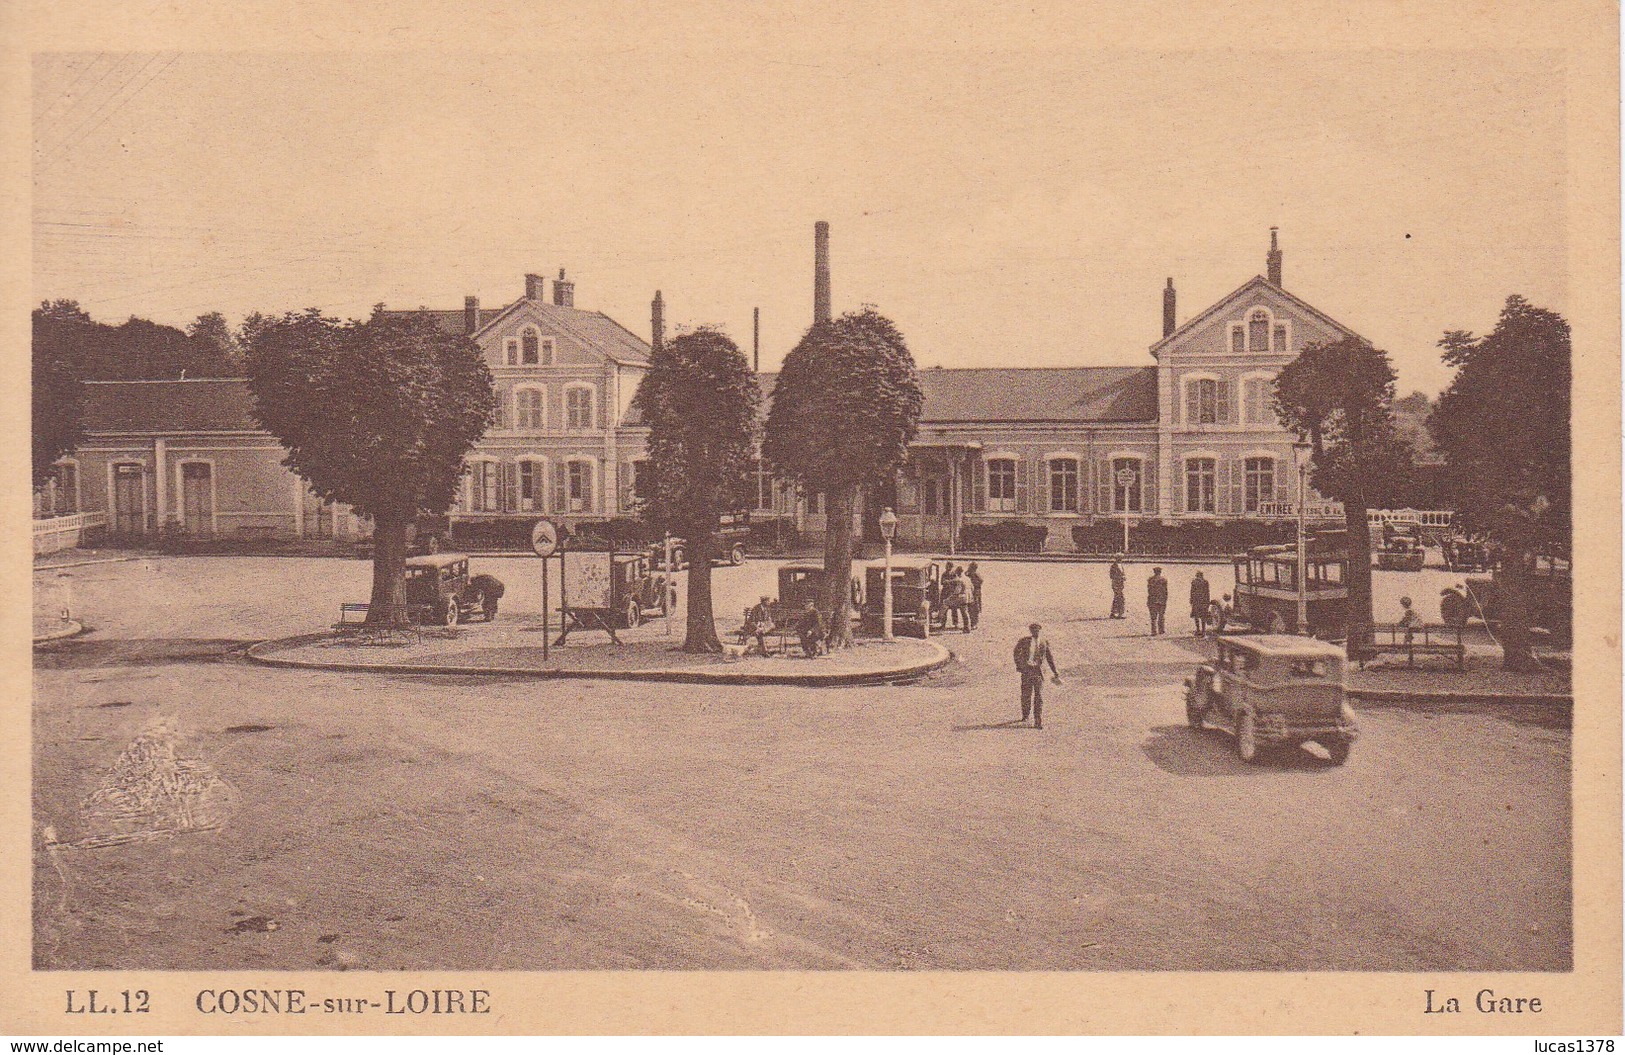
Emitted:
<point x="1004" y="208"/>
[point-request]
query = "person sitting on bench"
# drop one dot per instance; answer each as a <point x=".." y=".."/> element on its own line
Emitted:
<point x="758" y="624"/>
<point x="1408" y="619"/>
<point x="810" y="628"/>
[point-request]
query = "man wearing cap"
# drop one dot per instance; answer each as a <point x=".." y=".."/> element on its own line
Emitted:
<point x="1031" y="653"/>
<point x="1408" y="619"/>
<point x="758" y="623"/>
<point x="1119" y="581"/>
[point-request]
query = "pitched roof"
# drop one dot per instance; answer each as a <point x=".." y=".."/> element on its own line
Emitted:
<point x="593" y="328"/>
<point x="201" y="405"/>
<point x="1064" y="395"/>
<point x="1224" y="301"/>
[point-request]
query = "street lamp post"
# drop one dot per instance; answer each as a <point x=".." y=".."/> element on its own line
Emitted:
<point x="1125" y="480"/>
<point x="1300" y="457"/>
<point x="888" y="531"/>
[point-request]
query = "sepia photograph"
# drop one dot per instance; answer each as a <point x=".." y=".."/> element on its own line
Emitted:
<point x="605" y="503"/>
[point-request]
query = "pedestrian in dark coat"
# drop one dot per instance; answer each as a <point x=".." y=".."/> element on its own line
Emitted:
<point x="1031" y="654"/>
<point x="1201" y="597"/>
<point x="1156" y="600"/>
<point x="975" y="578"/>
<point x="810" y="628"/>
<point x="1119" y="581"/>
<point x="956" y="599"/>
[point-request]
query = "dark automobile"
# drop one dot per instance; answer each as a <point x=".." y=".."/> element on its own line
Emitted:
<point x="1274" y="689"/>
<point x="440" y="590"/>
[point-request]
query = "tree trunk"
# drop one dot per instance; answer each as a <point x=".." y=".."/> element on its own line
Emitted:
<point x="388" y="604"/>
<point x="1358" y="611"/>
<point x="701" y="633"/>
<point x="838" y="564"/>
<point x="1512" y="590"/>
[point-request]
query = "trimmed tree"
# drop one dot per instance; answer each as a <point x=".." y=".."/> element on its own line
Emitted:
<point x="63" y="335"/>
<point x="1339" y="396"/>
<point x="845" y="407"/>
<point x="1503" y="426"/>
<point x="701" y="401"/>
<point x="376" y="414"/>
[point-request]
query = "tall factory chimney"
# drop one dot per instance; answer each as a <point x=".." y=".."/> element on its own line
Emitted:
<point x="1168" y="308"/>
<point x="657" y="322"/>
<point x="820" y="272"/>
<point x="1274" y="259"/>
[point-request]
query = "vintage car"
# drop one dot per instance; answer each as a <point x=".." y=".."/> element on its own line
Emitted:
<point x="1402" y="548"/>
<point x="730" y="539"/>
<point x="640" y="592"/>
<point x="914" y="583"/>
<point x="440" y="590"/>
<point x="801" y="580"/>
<point x="1466" y="554"/>
<point x="1274" y="689"/>
<point x="1267" y="588"/>
<point x="1550" y="584"/>
<point x="425" y="536"/>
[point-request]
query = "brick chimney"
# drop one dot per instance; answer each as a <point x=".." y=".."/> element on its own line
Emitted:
<point x="471" y="314"/>
<point x="1274" y="259"/>
<point x="821" y="271"/>
<point x="1168" y="308"/>
<point x="657" y="322"/>
<point x="564" y="293"/>
<point x="533" y="287"/>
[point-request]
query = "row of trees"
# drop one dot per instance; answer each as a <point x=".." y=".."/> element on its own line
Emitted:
<point x="845" y="406"/>
<point x="1502" y="427"/>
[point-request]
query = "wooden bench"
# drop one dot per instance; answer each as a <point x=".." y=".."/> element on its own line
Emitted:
<point x="353" y="625"/>
<point x="780" y="628"/>
<point x="1434" y="639"/>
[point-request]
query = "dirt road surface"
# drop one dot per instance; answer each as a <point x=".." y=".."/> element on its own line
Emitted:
<point x="382" y="822"/>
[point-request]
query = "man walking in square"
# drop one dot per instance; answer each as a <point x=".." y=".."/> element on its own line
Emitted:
<point x="1119" y="582"/>
<point x="975" y="578"/>
<point x="1156" y="600"/>
<point x="1031" y="653"/>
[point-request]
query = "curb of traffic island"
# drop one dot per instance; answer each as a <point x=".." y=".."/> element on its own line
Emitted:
<point x="263" y="652"/>
<point x="1397" y="698"/>
<point x="71" y="628"/>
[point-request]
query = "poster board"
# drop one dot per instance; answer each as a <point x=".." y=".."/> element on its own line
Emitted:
<point x="586" y="579"/>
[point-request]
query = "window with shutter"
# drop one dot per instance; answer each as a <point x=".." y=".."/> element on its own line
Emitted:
<point x="561" y="488"/>
<point x="1040" y="487"/>
<point x="978" y="487"/>
<point x="1003" y="492"/>
<point x="1221" y="400"/>
<point x="1021" y="485"/>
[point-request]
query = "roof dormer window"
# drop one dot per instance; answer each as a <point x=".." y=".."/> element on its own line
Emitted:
<point x="1258" y="331"/>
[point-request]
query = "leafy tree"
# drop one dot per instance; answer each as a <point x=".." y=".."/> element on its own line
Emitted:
<point x="1339" y="396"/>
<point x="214" y="339"/>
<point x="1503" y="425"/>
<point x="845" y="407"/>
<point x="62" y="338"/>
<point x="376" y="414"/>
<point x="700" y="400"/>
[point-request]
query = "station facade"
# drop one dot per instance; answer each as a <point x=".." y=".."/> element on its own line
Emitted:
<point x="1188" y="437"/>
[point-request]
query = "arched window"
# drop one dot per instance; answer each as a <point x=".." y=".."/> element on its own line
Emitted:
<point x="1126" y="498"/>
<point x="1063" y="485"/>
<point x="578" y="407"/>
<point x="579" y="493"/>
<point x="1207" y="401"/>
<point x="1260" y="491"/>
<point x="532" y="481"/>
<point x="1001" y="485"/>
<point x="1258" y="331"/>
<point x="528" y="408"/>
<point x="1200" y="477"/>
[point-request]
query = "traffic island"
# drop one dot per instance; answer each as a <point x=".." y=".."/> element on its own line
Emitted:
<point x="645" y="654"/>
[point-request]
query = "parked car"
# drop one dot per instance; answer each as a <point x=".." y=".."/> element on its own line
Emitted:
<point x="424" y="536"/>
<point x="1402" y="548"/>
<point x="801" y="580"/>
<point x="640" y="591"/>
<point x="731" y="538"/>
<point x="1550" y="583"/>
<point x="440" y="590"/>
<point x="1274" y="689"/>
<point x="913" y="579"/>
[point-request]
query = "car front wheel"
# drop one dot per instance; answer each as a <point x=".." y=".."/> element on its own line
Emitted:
<point x="736" y="556"/>
<point x="634" y="613"/>
<point x="452" y="613"/>
<point x="1338" y="749"/>
<point x="1247" y="737"/>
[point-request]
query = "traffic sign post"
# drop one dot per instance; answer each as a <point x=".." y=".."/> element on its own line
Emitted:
<point x="544" y="540"/>
<point x="1125" y="480"/>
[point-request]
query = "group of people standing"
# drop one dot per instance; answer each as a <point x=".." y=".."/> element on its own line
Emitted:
<point x="1206" y="612"/>
<point x="958" y="596"/>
